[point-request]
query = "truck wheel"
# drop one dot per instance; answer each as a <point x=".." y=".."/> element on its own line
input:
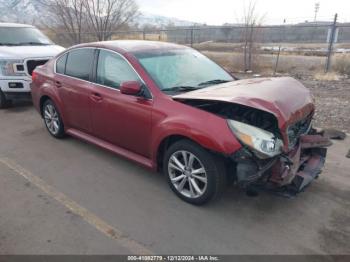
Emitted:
<point x="194" y="174"/>
<point x="52" y="119"/>
<point x="4" y="103"/>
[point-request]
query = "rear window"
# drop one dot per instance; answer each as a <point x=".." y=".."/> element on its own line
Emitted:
<point x="79" y="63"/>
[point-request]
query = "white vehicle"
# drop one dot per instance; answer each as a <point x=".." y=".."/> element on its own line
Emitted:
<point x="22" y="48"/>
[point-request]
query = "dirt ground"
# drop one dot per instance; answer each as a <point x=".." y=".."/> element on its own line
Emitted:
<point x="332" y="102"/>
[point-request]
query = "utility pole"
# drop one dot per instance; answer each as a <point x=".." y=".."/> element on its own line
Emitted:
<point x="279" y="48"/>
<point x="317" y="8"/>
<point x="331" y="42"/>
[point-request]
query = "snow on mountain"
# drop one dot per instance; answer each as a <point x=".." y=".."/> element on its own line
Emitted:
<point x="33" y="12"/>
<point x="147" y="19"/>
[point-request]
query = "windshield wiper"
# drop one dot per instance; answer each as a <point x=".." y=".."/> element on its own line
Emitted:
<point x="180" y="88"/>
<point x="213" y="82"/>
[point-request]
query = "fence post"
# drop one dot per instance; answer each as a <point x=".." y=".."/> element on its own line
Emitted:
<point x="144" y="34"/>
<point x="192" y="37"/>
<point x="279" y="48"/>
<point x="331" y="42"/>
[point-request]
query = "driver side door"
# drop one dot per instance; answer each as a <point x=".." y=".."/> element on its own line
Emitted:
<point x="120" y="119"/>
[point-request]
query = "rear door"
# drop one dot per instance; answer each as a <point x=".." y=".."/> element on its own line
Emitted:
<point x="120" y="119"/>
<point x="73" y="73"/>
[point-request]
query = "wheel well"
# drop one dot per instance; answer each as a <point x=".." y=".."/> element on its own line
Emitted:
<point x="164" y="145"/>
<point x="43" y="99"/>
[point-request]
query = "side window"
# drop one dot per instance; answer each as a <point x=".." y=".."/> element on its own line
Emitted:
<point x="113" y="70"/>
<point x="61" y="64"/>
<point x="79" y="63"/>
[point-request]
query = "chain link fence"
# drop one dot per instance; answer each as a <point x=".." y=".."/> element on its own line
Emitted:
<point x="306" y="48"/>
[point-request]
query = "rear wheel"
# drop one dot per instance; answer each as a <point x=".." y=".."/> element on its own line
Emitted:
<point x="4" y="103"/>
<point x="52" y="119"/>
<point x="194" y="174"/>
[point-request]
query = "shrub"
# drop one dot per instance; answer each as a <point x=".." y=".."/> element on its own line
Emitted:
<point x="342" y="64"/>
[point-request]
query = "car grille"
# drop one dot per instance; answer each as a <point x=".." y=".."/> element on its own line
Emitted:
<point x="296" y="130"/>
<point x="32" y="64"/>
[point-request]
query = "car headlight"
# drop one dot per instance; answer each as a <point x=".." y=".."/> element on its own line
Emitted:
<point x="8" y="67"/>
<point x="262" y="142"/>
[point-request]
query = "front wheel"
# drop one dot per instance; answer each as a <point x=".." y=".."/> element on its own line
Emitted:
<point x="52" y="119"/>
<point x="194" y="174"/>
<point x="4" y="103"/>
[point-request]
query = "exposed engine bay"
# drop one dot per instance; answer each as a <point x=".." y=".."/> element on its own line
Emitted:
<point x="241" y="113"/>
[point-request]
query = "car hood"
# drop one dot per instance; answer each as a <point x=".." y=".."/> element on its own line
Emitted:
<point x="284" y="97"/>
<point x="24" y="52"/>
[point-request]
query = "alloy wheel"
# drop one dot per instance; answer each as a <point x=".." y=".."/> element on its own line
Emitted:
<point x="187" y="174"/>
<point x="52" y="120"/>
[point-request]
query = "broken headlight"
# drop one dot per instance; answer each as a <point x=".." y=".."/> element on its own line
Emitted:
<point x="264" y="143"/>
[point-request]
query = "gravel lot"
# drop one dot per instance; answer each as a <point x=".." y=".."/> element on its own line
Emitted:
<point x="332" y="102"/>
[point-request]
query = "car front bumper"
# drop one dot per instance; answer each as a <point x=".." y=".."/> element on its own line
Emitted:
<point x="15" y="85"/>
<point x="286" y="174"/>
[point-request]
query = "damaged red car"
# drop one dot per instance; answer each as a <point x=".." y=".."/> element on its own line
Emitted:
<point x="170" y="108"/>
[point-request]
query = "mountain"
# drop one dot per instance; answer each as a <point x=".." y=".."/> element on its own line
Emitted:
<point x="33" y="12"/>
<point x="147" y="19"/>
<point x="21" y="11"/>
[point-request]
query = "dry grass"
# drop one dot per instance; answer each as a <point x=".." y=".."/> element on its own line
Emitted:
<point x="332" y="76"/>
<point x="265" y="63"/>
<point x="342" y="64"/>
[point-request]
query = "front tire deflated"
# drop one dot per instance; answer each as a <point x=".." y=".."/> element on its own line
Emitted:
<point x="193" y="173"/>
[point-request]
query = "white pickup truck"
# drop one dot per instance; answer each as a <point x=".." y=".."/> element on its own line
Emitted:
<point x="22" y="48"/>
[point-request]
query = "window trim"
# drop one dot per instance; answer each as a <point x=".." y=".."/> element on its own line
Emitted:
<point x="94" y="73"/>
<point x="65" y="64"/>
<point x="94" y="68"/>
<point x="67" y="52"/>
<point x="93" y="62"/>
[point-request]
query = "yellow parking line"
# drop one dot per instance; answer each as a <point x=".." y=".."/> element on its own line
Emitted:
<point x="85" y="214"/>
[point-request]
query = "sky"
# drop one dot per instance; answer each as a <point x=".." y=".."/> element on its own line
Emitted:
<point x="218" y="12"/>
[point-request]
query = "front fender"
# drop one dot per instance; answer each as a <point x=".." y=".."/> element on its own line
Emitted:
<point x="212" y="134"/>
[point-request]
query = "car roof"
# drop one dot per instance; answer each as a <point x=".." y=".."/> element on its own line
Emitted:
<point x="133" y="46"/>
<point x="14" y="25"/>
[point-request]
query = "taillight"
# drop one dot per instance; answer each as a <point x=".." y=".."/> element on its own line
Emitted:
<point x="34" y="75"/>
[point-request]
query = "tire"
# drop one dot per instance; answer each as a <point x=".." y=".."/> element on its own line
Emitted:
<point x="202" y="180"/>
<point x="52" y="119"/>
<point x="4" y="103"/>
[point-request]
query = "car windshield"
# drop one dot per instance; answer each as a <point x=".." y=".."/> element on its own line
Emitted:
<point x="15" y="36"/>
<point x="182" y="69"/>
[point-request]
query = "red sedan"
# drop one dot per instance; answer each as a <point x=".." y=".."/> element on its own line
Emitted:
<point x="170" y="108"/>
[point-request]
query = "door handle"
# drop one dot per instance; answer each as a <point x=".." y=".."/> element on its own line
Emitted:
<point x="58" y="84"/>
<point x="96" y="97"/>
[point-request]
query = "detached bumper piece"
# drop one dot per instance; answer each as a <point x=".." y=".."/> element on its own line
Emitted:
<point x="288" y="174"/>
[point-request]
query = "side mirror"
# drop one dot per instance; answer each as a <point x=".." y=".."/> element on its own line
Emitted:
<point x="132" y="88"/>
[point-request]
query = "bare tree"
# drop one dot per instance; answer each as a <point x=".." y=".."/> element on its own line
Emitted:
<point x="67" y="16"/>
<point x="251" y="19"/>
<point x="106" y="16"/>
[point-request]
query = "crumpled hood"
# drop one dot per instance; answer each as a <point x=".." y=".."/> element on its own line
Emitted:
<point x="284" y="97"/>
<point x="23" y="52"/>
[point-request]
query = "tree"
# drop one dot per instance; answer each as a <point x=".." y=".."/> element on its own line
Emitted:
<point x="67" y="16"/>
<point x="106" y="16"/>
<point x="251" y="19"/>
